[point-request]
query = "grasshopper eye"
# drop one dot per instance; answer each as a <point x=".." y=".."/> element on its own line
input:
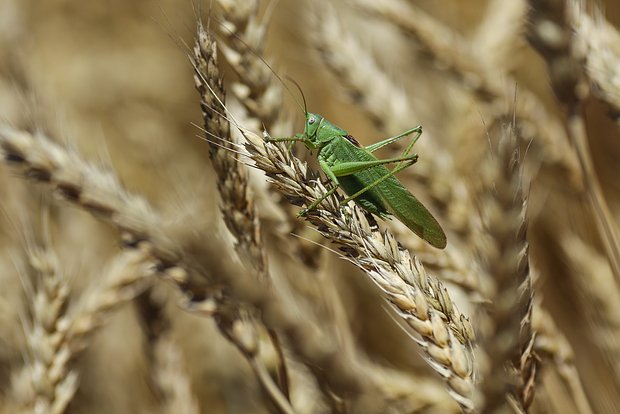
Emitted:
<point x="311" y="120"/>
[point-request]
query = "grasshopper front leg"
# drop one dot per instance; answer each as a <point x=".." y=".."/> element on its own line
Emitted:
<point x="331" y="191"/>
<point x="296" y="137"/>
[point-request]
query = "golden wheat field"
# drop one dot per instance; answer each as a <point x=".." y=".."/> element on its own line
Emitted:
<point x="153" y="259"/>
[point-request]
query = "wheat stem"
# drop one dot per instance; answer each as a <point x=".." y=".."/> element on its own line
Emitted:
<point x="600" y="296"/>
<point x="172" y="378"/>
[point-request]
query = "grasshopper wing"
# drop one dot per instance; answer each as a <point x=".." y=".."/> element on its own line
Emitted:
<point x="408" y="209"/>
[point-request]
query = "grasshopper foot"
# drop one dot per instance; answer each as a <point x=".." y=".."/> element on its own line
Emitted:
<point x="303" y="212"/>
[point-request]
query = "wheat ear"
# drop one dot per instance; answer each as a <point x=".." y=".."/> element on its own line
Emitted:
<point x="602" y="52"/>
<point x="366" y="82"/>
<point x="450" y="265"/>
<point x="358" y="72"/>
<point x="461" y="60"/>
<point x="232" y="178"/>
<point x="501" y="32"/>
<point x="51" y="384"/>
<point x="504" y="255"/>
<point x="244" y="38"/>
<point x="421" y="300"/>
<point x="389" y="105"/>
<point x="244" y="35"/>
<point x="259" y="89"/>
<point x="564" y="59"/>
<point x="100" y="193"/>
<point x="238" y="208"/>
<point x="125" y="276"/>
<point x="65" y="331"/>
<point x="195" y="266"/>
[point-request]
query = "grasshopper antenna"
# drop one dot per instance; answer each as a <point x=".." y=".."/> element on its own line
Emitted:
<point x="255" y="53"/>
<point x="303" y="97"/>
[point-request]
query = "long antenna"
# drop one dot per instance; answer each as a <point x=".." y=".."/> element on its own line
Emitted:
<point x="249" y="48"/>
<point x="303" y="97"/>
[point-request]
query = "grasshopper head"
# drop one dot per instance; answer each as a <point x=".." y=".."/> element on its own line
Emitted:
<point x="319" y="131"/>
<point x="311" y="131"/>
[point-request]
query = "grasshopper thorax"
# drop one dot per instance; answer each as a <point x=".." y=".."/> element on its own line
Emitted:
<point x="319" y="131"/>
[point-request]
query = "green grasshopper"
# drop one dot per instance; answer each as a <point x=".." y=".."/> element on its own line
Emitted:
<point x="365" y="178"/>
<point x="361" y="175"/>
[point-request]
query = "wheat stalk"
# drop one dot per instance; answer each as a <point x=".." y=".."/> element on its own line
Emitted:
<point x="554" y="348"/>
<point x="169" y="377"/>
<point x="422" y="301"/>
<point x="172" y="379"/>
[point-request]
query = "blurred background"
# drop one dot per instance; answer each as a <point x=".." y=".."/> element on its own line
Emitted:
<point x="113" y="81"/>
